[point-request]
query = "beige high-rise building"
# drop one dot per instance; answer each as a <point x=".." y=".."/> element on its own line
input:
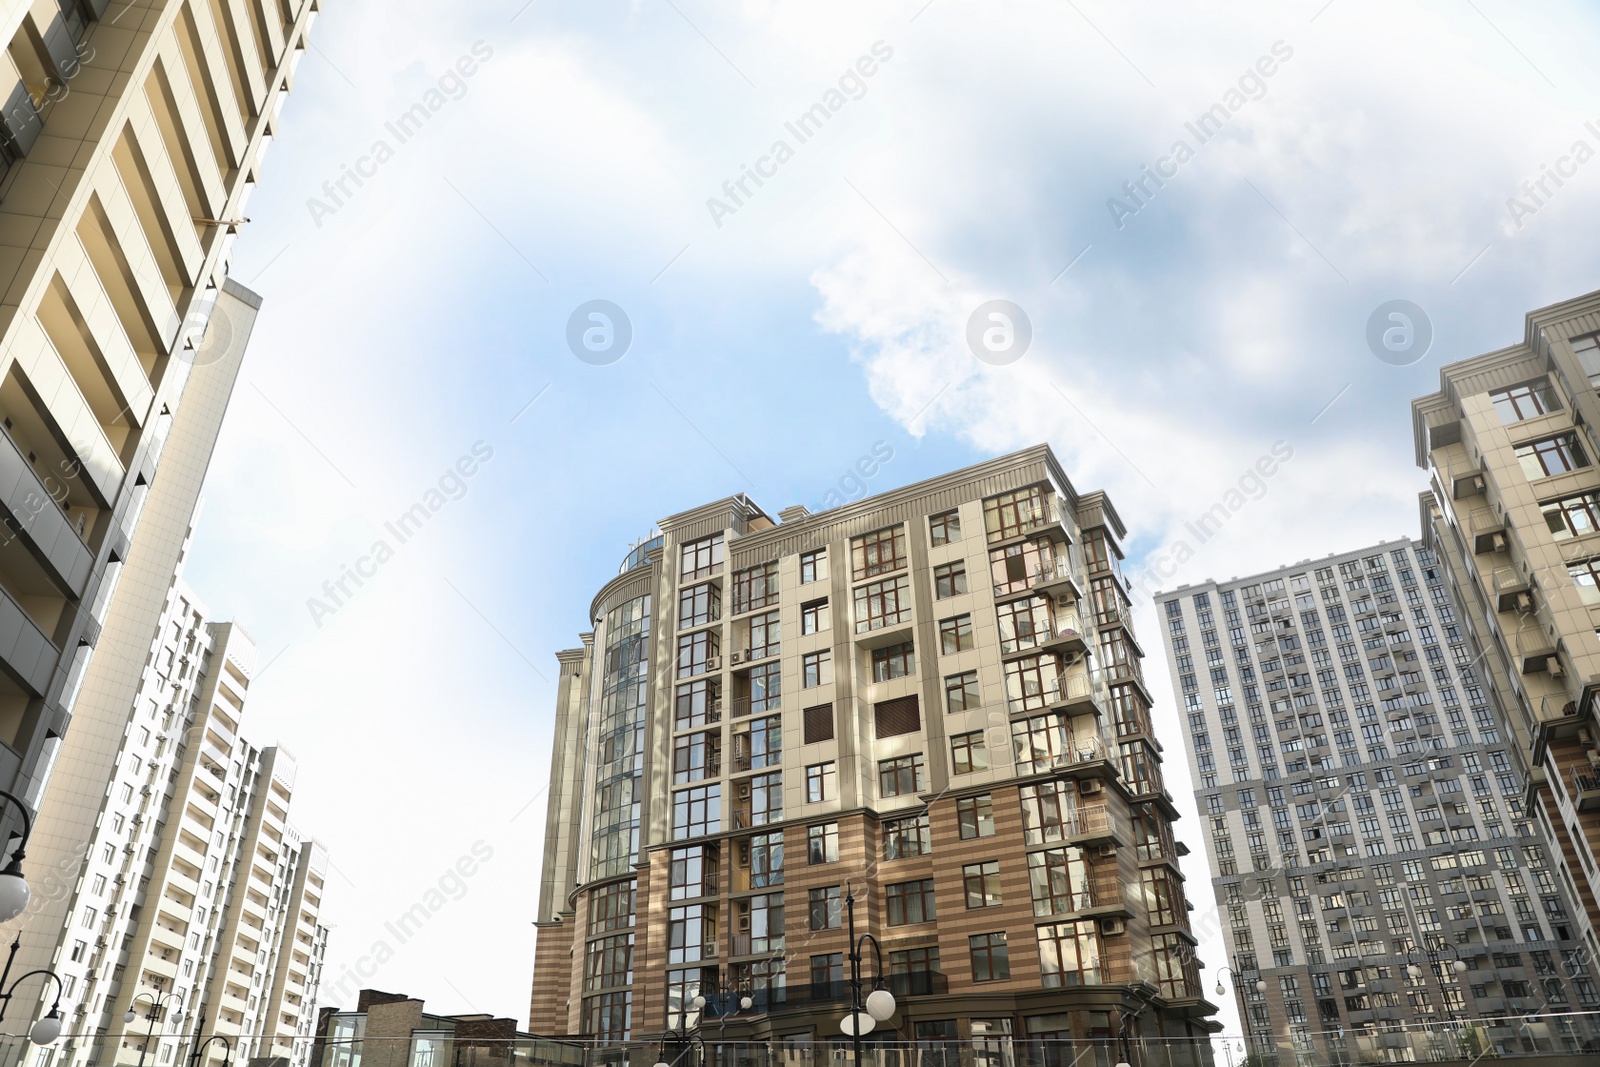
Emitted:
<point x="130" y="138"/>
<point x="1514" y="513"/>
<point x="931" y="699"/>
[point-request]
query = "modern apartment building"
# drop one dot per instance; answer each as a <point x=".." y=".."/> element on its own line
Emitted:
<point x="130" y="137"/>
<point x="1373" y="858"/>
<point x="1510" y="443"/>
<point x="191" y="888"/>
<point x="931" y="699"/>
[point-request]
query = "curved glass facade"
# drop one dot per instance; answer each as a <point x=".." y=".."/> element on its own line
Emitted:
<point x="619" y="745"/>
<point x="641" y="555"/>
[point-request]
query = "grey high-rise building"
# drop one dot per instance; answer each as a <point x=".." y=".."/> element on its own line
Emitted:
<point x="1375" y="870"/>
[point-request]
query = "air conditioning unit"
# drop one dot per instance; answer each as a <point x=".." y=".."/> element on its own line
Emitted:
<point x="714" y="663"/>
<point x="1556" y="670"/>
<point x="1499" y="542"/>
<point x="1585" y="738"/>
<point x="1108" y="851"/>
<point x="744" y="923"/>
<point x="743" y="789"/>
<point x="1090" y="787"/>
<point x="1524" y="602"/>
<point x="738" y="658"/>
<point x="1113" y="927"/>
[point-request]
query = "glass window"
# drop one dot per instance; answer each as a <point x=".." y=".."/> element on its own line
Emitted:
<point x="695" y="652"/>
<point x="1587" y="349"/>
<point x="1012" y="514"/>
<point x="893" y="661"/>
<point x="900" y="776"/>
<point x="816" y="668"/>
<point x="698" y="605"/>
<point x="949" y="580"/>
<point x="968" y="753"/>
<point x="813" y="566"/>
<point x="975" y="816"/>
<point x="822" y="782"/>
<point x="1572" y="516"/>
<point x="1551" y="455"/>
<point x="961" y="691"/>
<point x="764" y="632"/>
<point x="909" y="902"/>
<point x="955" y="635"/>
<point x="814" y="616"/>
<point x="755" y="588"/>
<point x="1023" y="623"/>
<point x="1586" y="576"/>
<point x="698" y="704"/>
<point x="903" y="838"/>
<point x="700" y="559"/>
<point x="696" y="811"/>
<point x="767" y="861"/>
<point x="1525" y="401"/>
<point x="825" y="908"/>
<point x="692" y="872"/>
<point x="822" y="843"/>
<point x="827" y="981"/>
<point x="611" y="908"/>
<point x="878" y="553"/>
<point x="982" y="882"/>
<point x="696" y="757"/>
<point x="990" y="962"/>
<point x="945" y="528"/>
<point x="885" y="603"/>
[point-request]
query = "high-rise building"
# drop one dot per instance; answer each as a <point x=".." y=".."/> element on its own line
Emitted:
<point x="1373" y="860"/>
<point x="189" y="888"/>
<point x="931" y="699"/>
<point x="130" y="137"/>
<point x="1515" y="504"/>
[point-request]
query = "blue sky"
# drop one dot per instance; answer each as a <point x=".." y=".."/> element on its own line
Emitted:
<point x="829" y="313"/>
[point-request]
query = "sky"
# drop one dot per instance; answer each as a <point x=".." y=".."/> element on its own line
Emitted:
<point x="1194" y="294"/>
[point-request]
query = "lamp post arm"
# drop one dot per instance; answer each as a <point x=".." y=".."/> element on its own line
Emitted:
<point x="27" y="824"/>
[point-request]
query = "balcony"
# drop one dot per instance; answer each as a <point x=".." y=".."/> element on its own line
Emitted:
<point x="753" y="655"/>
<point x="744" y="707"/>
<point x="918" y="984"/>
<point x="746" y="945"/>
<point x="1510" y="587"/>
<point x="1465" y="481"/>
<point x="1488" y="531"/>
<point x="1063" y="636"/>
<point x="1586" y="790"/>
<point x="1089" y="823"/>
<point x="1536" y="650"/>
<point x="1083" y="692"/>
<point x="1055" y="578"/>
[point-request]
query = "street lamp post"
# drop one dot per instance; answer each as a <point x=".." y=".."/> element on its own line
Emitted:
<point x="1433" y="954"/>
<point x="683" y="1035"/>
<point x="14" y="895"/>
<point x="200" y="1046"/>
<point x="745" y="1003"/>
<point x="1241" y="981"/>
<point x="48" y="1028"/>
<point x="879" y="1003"/>
<point x="156" y="1004"/>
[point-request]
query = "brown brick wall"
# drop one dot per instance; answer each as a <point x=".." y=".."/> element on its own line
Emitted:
<point x="553" y="962"/>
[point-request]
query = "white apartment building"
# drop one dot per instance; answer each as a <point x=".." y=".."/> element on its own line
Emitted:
<point x="194" y="891"/>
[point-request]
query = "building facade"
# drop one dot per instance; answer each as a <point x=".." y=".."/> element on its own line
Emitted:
<point x="1510" y="444"/>
<point x="394" y="1030"/>
<point x="930" y="700"/>
<point x="1372" y="855"/>
<point x="192" y="888"/>
<point x="130" y="137"/>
